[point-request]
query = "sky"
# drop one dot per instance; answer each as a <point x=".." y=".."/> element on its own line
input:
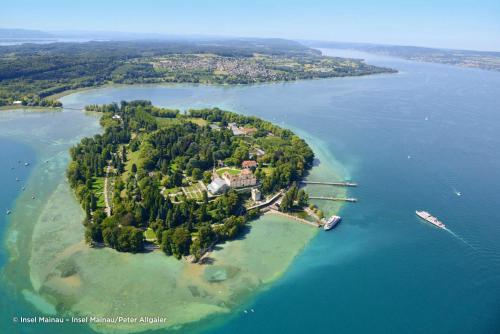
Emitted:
<point x="458" y="24"/>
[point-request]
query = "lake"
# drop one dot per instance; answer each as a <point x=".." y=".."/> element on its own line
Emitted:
<point x="413" y="141"/>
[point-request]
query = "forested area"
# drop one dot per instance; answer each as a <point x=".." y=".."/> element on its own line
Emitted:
<point x="149" y="158"/>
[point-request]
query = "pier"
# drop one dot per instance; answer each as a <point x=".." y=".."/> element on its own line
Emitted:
<point x="339" y="199"/>
<point x="338" y="184"/>
<point x="300" y="220"/>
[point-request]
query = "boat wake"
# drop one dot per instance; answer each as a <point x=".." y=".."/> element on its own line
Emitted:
<point x="460" y="238"/>
<point x="456" y="192"/>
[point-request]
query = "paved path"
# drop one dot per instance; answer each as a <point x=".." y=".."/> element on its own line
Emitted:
<point x="107" y="209"/>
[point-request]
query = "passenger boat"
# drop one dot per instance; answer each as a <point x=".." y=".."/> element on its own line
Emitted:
<point x="331" y="222"/>
<point x="430" y="219"/>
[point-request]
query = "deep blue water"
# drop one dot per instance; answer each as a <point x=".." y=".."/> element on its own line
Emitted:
<point x="383" y="270"/>
<point x="411" y="140"/>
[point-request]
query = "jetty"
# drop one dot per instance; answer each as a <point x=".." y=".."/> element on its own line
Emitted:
<point x="339" y="199"/>
<point x="338" y="184"/>
<point x="300" y="220"/>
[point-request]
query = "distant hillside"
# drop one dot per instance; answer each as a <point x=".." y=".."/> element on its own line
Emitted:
<point x="23" y="33"/>
<point x="487" y="60"/>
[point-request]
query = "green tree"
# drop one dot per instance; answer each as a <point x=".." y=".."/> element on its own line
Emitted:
<point x="302" y="198"/>
<point x="196" y="174"/>
<point x="206" y="236"/>
<point x="181" y="241"/>
<point x="195" y="250"/>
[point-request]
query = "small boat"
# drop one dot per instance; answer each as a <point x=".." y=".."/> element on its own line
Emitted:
<point x="24" y="188"/>
<point x="17" y="179"/>
<point x="26" y="163"/>
<point x="427" y="118"/>
<point x="33" y="196"/>
<point x="331" y="222"/>
<point x="7" y="212"/>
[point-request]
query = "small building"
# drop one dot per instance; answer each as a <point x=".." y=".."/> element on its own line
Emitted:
<point x="249" y="164"/>
<point x="256" y="195"/>
<point x="248" y="131"/>
<point x="116" y="116"/>
<point x="244" y="179"/>
<point x="217" y="186"/>
<point x="17" y="103"/>
<point x="236" y="130"/>
<point x="240" y="131"/>
<point x="214" y="127"/>
<point x="259" y="152"/>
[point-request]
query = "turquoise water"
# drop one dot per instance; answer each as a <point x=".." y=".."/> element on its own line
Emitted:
<point x="412" y="140"/>
<point x="13" y="155"/>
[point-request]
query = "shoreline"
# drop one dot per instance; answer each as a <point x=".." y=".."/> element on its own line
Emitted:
<point x="30" y="108"/>
<point x="138" y="84"/>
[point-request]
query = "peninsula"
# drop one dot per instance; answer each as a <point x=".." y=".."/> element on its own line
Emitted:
<point x="37" y="74"/>
<point x="182" y="181"/>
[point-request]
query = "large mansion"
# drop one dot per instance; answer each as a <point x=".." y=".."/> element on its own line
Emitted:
<point x="245" y="179"/>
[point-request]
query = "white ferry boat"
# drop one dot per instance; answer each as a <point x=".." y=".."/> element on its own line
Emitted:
<point x="430" y="219"/>
<point x="331" y="222"/>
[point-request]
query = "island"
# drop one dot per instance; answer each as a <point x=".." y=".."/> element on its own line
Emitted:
<point x="182" y="182"/>
<point x="38" y="74"/>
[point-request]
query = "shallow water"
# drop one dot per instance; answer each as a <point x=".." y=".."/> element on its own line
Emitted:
<point x="411" y="140"/>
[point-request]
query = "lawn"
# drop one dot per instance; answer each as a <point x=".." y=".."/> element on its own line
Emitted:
<point x="132" y="158"/>
<point x="267" y="170"/>
<point x="168" y="121"/>
<point x="198" y="121"/>
<point x="149" y="234"/>
<point x="98" y="190"/>
<point x="232" y="171"/>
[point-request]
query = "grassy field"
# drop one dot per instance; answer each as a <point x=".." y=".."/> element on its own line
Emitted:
<point x="267" y="170"/>
<point x="149" y="234"/>
<point x="132" y="158"/>
<point x="169" y="121"/>
<point x="232" y="171"/>
<point x="199" y="121"/>
<point x="98" y="189"/>
<point x="172" y="193"/>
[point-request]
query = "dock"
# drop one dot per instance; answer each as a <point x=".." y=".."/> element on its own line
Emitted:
<point x="338" y="184"/>
<point x="300" y="220"/>
<point x="339" y="199"/>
